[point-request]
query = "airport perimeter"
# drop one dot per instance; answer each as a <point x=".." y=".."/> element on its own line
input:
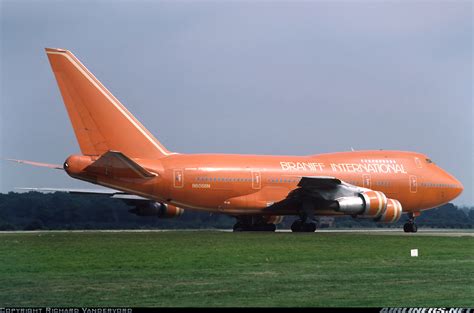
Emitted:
<point x="218" y="268"/>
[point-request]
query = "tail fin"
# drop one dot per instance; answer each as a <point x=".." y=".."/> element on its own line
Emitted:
<point x="101" y="123"/>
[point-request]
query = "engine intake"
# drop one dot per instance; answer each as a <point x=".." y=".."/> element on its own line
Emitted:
<point x="161" y="210"/>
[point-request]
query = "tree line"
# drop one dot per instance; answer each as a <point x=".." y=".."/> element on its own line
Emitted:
<point x="34" y="210"/>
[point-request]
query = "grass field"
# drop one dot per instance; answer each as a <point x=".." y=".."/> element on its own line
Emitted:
<point x="227" y="269"/>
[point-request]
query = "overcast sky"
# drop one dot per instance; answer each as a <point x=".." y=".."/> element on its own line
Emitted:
<point x="246" y="77"/>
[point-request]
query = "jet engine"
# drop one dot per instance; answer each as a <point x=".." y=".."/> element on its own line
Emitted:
<point x="373" y="204"/>
<point x="368" y="203"/>
<point x="161" y="210"/>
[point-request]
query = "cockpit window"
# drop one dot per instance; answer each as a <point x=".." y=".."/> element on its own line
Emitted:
<point x="429" y="161"/>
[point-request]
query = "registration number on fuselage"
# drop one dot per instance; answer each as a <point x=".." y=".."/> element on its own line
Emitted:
<point x="205" y="186"/>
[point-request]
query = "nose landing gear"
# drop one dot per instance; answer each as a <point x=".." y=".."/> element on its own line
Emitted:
<point x="410" y="226"/>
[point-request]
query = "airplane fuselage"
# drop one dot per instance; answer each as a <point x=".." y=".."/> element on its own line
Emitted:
<point x="248" y="184"/>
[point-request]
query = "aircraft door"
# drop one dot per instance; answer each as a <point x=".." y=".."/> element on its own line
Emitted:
<point x="413" y="184"/>
<point x="178" y="178"/>
<point x="256" y="180"/>
<point x="366" y="182"/>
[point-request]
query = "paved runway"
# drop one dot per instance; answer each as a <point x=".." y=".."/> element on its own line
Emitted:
<point x="377" y="231"/>
<point x="421" y="232"/>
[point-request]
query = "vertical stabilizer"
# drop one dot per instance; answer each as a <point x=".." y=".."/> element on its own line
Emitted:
<point x="101" y="123"/>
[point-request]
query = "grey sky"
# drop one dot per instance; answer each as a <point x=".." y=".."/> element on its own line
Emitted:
<point x="246" y="77"/>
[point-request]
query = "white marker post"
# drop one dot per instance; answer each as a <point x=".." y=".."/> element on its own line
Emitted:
<point x="414" y="252"/>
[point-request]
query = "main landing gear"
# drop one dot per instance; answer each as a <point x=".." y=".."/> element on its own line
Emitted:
<point x="410" y="226"/>
<point x="300" y="226"/>
<point x="253" y="223"/>
<point x="305" y="224"/>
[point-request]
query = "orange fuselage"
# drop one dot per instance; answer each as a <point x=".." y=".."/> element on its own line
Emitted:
<point x="248" y="184"/>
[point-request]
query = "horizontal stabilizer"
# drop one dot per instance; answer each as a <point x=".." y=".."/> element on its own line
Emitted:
<point x="55" y="166"/>
<point x="98" y="192"/>
<point x="117" y="164"/>
<point x="72" y="190"/>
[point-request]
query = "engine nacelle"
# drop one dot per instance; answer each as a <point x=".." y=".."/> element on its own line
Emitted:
<point x="368" y="203"/>
<point x="161" y="210"/>
<point x="392" y="213"/>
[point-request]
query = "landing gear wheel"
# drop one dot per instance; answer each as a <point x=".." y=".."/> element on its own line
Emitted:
<point x="296" y="226"/>
<point x="310" y="227"/>
<point x="299" y="227"/>
<point x="407" y="228"/>
<point x="238" y="227"/>
<point x="410" y="227"/>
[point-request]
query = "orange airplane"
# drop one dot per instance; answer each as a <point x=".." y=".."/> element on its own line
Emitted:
<point x="258" y="190"/>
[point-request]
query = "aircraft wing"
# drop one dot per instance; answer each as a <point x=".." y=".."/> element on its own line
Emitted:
<point x="324" y="182"/>
<point x="322" y="191"/>
<point x="324" y="187"/>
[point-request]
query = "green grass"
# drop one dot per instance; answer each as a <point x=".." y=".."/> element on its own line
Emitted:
<point x="227" y="269"/>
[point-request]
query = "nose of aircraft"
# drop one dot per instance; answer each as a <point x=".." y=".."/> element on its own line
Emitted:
<point x="454" y="186"/>
<point x="458" y="187"/>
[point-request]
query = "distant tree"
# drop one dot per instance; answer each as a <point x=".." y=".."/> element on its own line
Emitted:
<point x="35" y="225"/>
<point x="7" y="226"/>
<point x="58" y="210"/>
